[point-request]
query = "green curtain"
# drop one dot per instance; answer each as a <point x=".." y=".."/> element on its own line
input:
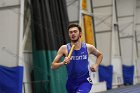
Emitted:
<point x="49" y="32"/>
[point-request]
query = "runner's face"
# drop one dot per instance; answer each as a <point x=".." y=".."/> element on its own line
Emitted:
<point x="74" y="34"/>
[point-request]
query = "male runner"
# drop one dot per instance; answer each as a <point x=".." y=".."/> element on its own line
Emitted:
<point x="77" y="65"/>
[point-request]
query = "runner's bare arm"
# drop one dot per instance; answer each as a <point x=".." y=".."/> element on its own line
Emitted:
<point x="56" y="64"/>
<point x="97" y="53"/>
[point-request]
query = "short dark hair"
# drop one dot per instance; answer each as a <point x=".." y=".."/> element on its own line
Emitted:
<point x="74" y="25"/>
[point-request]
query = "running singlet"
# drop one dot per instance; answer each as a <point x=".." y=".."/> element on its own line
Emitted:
<point x="78" y="67"/>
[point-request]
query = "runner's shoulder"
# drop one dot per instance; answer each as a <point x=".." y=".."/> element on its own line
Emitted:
<point x="89" y="45"/>
<point x="63" y="48"/>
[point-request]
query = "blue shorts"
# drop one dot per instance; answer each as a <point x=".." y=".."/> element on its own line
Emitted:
<point x="83" y="87"/>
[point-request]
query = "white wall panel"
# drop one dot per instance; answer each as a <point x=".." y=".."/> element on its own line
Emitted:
<point x="138" y="26"/>
<point x="125" y="10"/>
<point x="103" y="27"/>
<point x="125" y="7"/>
<point x="138" y="32"/>
<point x="5" y="3"/>
<point x="126" y="26"/>
<point x="138" y="2"/>
<point x="103" y="18"/>
<point x="138" y="15"/>
<point x="9" y="29"/>
<point x="101" y="2"/>
<point x="138" y="70"/>
<point x="104" y="45"/>
<point x="27" y="72"/>
<point x="139" y="49"/>
<point x="126" y="47"/>
<point x="73" y="10"/>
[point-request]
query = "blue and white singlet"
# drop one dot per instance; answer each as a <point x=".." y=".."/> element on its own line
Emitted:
<point x="78" y="67"/>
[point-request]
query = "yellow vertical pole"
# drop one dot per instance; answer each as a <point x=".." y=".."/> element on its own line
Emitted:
<point x="83" y="6"/>
<point x="89" y="35"/>
<point x="88" y="25"/>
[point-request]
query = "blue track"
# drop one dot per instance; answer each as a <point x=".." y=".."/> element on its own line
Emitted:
<point x="127" y="89"/>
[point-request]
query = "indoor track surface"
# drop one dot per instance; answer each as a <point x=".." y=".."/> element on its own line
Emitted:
<point x="126" y="89"/>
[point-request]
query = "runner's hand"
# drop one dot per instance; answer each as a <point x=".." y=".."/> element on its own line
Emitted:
<point x="66" y="60"/>
<point x="93" y="68"/>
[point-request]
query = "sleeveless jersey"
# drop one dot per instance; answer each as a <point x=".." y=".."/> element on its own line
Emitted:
<point x="78" y="67"/>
